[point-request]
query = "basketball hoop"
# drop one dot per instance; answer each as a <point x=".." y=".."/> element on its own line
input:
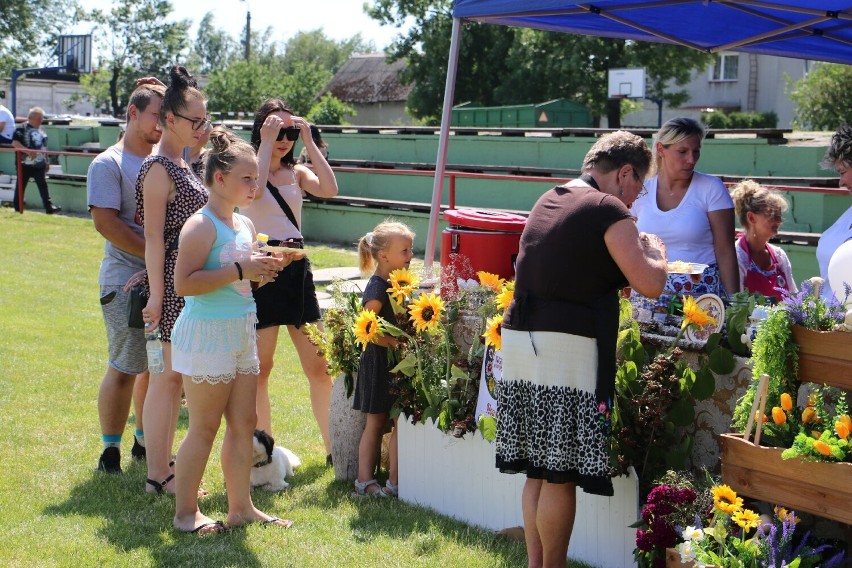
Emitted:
<point x="74" y="54"/>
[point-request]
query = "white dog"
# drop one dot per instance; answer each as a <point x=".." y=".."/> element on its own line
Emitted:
<point x="271" y="464"/>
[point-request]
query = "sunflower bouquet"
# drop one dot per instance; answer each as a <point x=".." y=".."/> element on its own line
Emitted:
<point x="437" y="376"/>
<point x="738" y="537"/>
<point x="335" y="339"/>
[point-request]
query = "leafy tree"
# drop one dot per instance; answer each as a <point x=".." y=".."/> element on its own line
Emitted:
<point x="501" y="65"/>
<point x="213" y="47"/>
<point x="30" y="29"/>
<point x="329" y="110"/>
<point x="822" y="97"/>
<point x="314" y="47"/>
<point x="137" y="41"/>
<point x="243" y="85"/>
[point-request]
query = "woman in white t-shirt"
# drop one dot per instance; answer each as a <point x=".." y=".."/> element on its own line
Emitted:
<point x="691" y="212"/>
<point x="839" y="157"/>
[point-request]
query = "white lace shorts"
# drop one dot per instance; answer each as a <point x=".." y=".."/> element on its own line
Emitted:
<point x="215" y="350"/>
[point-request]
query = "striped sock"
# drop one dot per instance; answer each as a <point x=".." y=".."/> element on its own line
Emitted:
<point x="140" y="437"/>
<point x="111" y="441"/>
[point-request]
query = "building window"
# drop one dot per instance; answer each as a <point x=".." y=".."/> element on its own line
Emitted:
<point x="725" y="67"/>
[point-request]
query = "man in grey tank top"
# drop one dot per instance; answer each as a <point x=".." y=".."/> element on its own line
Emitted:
<point x="112" y="203"/>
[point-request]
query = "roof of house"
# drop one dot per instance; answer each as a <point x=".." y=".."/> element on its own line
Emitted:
<point x="369" y="78"/>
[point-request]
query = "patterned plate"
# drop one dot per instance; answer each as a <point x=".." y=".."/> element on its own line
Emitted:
<point x="712" y="304"/>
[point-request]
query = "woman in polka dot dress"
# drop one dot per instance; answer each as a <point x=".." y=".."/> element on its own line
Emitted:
<point x="167" y="194"/>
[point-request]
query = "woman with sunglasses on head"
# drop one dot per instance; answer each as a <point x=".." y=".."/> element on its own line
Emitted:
<point x="277" y="211"/>
<point x="692" y="212"/>
<point x="167" y="194"/>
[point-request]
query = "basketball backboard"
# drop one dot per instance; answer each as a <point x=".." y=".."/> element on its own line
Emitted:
<point x="74" y="53"/>
<point x="626" y="83"/>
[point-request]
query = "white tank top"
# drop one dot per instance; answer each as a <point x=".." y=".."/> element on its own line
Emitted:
<point x="268" y="217"/>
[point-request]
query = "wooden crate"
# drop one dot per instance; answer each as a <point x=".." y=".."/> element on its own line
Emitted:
<point x="824" y="356"/>
<point x="820" y="488"/>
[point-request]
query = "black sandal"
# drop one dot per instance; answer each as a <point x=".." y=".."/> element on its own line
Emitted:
<point x="215" y="527"/>
<point x="160" y="487"/>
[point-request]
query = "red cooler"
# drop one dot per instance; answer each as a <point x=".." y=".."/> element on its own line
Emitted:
<point x="478" y="239"/>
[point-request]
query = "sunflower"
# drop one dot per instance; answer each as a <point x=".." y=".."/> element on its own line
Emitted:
<point x="493" y="332"/>
<point x="366" y="327"/>
<point x="504" y="298"/>
<point x="426" y="312"/>
<point x="784" y="515"/>
<point x="694" y="315"/>
<point x="725" y="499"/>
<point x="402" y="283"/>
<point x="746" y="519"/>
<point x="489" y="280"/>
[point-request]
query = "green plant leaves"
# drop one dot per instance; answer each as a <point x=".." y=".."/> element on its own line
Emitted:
<point x="705" y="384"/>
<point x="722" y="361"/>
<point x="682" y="412"/>
<point x="407" y="366"/>
<point x="487" y="426"/>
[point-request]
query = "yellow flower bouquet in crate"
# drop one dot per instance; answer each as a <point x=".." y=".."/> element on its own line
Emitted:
<point x="437" y="365"/>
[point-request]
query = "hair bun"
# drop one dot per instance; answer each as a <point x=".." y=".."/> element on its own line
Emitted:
<point x="180" y="78"/>
<point x="221" y="138"/>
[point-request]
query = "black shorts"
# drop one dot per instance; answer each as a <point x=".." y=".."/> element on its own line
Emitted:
<point x="290" y="299"/>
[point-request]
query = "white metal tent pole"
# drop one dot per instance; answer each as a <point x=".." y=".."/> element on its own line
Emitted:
<point x="443" y="140"/>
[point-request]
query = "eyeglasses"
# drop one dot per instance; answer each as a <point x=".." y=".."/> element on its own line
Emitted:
<point x="644" y="190"/>
<point x="772" y="216"/>
<point x="197" y="123"/>
<point x="291" y="132"/>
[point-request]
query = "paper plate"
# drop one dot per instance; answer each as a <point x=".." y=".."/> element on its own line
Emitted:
<point x="712" y="304"/>
<point x="680" y="267"/>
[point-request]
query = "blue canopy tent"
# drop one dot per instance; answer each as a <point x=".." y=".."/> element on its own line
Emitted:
<point x="819" y="30"/>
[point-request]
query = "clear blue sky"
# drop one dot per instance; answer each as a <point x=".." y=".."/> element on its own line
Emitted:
<point x="339" y="19"/>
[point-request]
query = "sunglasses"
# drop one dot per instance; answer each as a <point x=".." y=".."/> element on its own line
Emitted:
<point x="291" y="132"/>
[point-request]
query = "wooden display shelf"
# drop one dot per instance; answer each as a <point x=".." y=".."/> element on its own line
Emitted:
<point x="824" y="356"/>
<point x="820" y="488"/>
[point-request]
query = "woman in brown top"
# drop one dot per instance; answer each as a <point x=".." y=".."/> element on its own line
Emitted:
<point x="580" y="246"/>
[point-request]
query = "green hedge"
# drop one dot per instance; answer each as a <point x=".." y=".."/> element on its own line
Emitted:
<point x="719" y="120"/>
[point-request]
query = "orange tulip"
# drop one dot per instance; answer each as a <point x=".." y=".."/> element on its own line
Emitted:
<point x="807" y="415"/>
<point x="846" y="420"/>
<point x="841" y="429"/>
<point x="822" y="448"/>
<point x="778" y="415"/>
<point x="786" y="402"/>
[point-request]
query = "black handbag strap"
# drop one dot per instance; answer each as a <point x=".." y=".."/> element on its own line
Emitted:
<point x="283" y="204"/>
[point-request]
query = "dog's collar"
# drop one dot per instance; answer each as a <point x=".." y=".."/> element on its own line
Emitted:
<point x="267" y="461"/>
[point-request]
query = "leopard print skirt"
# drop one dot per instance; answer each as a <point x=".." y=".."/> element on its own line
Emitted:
<point x="548" y="422"/>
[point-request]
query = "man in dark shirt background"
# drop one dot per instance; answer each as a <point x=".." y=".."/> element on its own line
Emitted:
<point x="30" y="136"/>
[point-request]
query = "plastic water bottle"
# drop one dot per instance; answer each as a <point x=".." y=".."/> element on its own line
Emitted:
<point x="262" y="241"/>
<point x="154" y="348"/>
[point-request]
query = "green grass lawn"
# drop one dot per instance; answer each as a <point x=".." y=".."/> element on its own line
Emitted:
<point x="56" y="511"/>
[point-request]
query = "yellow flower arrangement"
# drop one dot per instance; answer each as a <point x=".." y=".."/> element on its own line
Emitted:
<point x="725" y="499"/>
<point x="426" y="312"/>
<point x="493" y="329"/>
<point x="403" y="282"/>
<point x="694" y="315"/>
<point x="504" y="298"/>
<point x="366" y="328"/>
<point x="490" y="280"/>
<point x="746" y="519"/>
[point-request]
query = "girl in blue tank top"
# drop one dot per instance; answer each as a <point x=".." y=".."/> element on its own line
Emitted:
<point x="214" y="342"/>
